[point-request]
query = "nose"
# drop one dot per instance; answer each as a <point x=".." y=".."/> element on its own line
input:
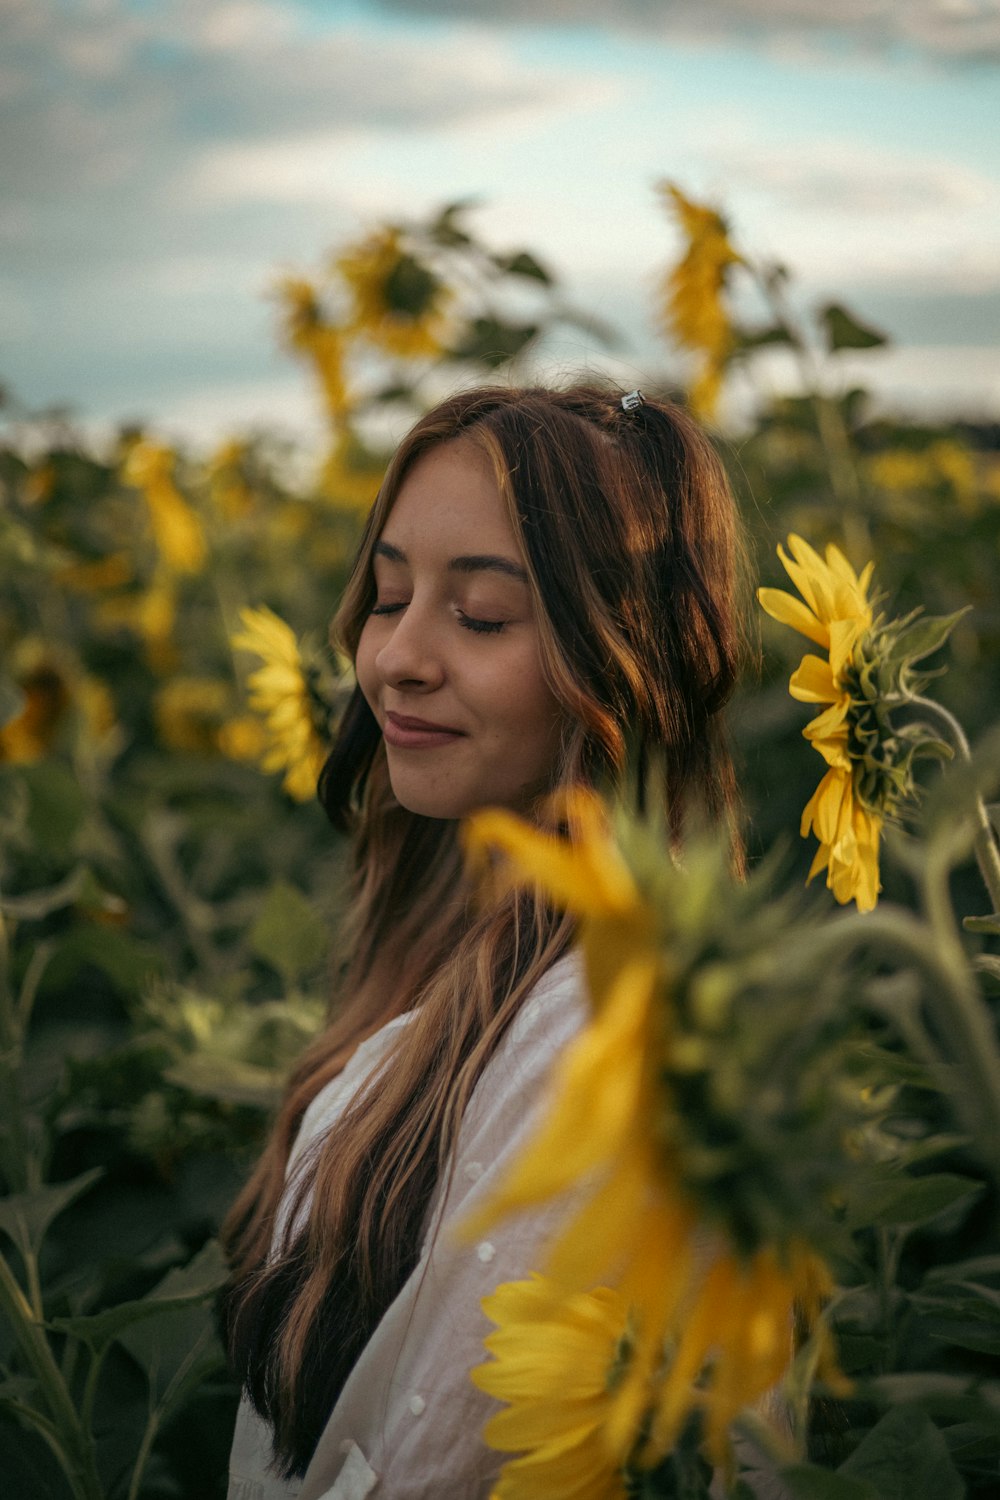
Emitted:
<point x="410" y="658"/>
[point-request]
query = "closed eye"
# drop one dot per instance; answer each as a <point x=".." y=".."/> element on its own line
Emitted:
<point x="387" y="609"/>
<point x="481" y="627"/>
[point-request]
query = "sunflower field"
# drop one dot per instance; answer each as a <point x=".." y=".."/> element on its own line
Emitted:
<point x="791" y="1095"/>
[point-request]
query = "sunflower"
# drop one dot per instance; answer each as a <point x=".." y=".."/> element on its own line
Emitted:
<point x="309" y="332"/>
<point x="150" y="612"/>
<point x="556" y="1362"/>
<point x="837" y="614"/>
<point x="694" y="312"/>
<point x="398" y="302"/>
<point x="228" y="486"/>
<point x="44" y="690"/>
<point x="149" y="467"/>
<point x="280" y="691"/>
<point x="188" y="712"/>
<point x="668" y="1214"/>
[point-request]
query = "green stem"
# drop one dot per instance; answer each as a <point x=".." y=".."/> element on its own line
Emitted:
<point x="889" y="1246"/>
<point x="45" y="1429"/>
<point x="962" y="1021"/>
<point x="833" y="435"/>
<point x="142" y="1457"/>
<point x="15" y="1146"/>
<point x="984" y="840"/>
<point x="90" y="1386"/>
<point x="79" y="1465"/>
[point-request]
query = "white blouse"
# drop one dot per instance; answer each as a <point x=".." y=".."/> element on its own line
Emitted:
<point x="408" y="1420"/>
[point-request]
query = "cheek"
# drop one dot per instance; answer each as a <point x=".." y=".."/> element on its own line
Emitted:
<point x="536" y="717"/>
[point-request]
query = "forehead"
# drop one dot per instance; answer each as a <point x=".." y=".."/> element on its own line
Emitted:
<point x="450" y="498"/>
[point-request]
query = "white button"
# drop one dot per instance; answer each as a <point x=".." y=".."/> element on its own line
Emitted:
<point x="417" y="1404"/>
<point x="486" y="1252"/>
<point x="474" y="1170"/>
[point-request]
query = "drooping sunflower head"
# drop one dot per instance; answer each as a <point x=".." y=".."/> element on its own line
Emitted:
<point x="868" y="674"/>
<point x="292" y="692"/>
<point x="719" y="1048"/>
<point x="694" y="306"/>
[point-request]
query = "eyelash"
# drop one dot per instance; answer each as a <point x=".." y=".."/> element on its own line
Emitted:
<point x="468" y="622"/>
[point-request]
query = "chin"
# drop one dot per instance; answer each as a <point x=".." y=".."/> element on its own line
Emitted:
<point x="427" y="804"/>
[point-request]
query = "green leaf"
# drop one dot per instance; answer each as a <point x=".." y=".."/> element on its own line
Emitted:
<point x="905" y="1457"/>
<point x="953" y="793"/>
<point x="57" y="809"/>
<point x="962" y="1336"/>
<point x="979" y="1265"/>
<point x="807" y="1482"/>
<point x="909" y="1200"/>
<point x="446" y="229"/>
<point x="493" y="342"/>
<point x="762" y="338"/>
<point x="924" y="635"/>
<point x="959" y="1396"/>
<point x="844" y="331"/>
<point x="129" y="963"/>
<point x="227" y="1079"/>
<point x="98" y="1329"/>
<point x="288" y="934"/>
<point x="178" y="1349"/>
<point x="26" y="1217"/>
<point x="967" y="1299"/>
<point x="522" y="263"/>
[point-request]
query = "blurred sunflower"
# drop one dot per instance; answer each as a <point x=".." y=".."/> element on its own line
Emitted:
<point x="188" y="712"/>
<point x="149" y="467"/>
<point x="227" y="481"/>
<point x="556" y="1363"/>
<point x="45" y="698"/>
<point x="704" y="1159"/>
<point x="95" y="575"/>
<point x="694" y="309"/>
<point x="351" y="475"/>
<point x="943" y="464"/>
<point x="309" y="332"/>
<point x="281" y="692"/>
<point x="150" y="612"/>
<point x="399" y="304"/>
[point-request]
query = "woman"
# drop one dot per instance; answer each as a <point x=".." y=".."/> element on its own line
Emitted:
<point x="545" y="584"/>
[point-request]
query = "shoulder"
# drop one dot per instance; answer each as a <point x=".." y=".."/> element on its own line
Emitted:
<point x="506" y="1101"/>
<point x="552" y="1014"/>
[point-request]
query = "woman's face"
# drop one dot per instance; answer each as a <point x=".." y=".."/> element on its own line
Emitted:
<point x="449" y="656"/>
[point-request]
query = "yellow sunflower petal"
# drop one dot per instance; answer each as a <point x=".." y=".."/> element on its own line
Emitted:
<point x="788" y="610"/>
<point x="813" y="681"/>
<point x="588" y="877"/>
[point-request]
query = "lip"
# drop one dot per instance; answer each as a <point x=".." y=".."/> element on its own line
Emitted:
<point x="406" y="733"/>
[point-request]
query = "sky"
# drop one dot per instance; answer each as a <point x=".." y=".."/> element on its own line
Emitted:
<point x="162" y="162"/>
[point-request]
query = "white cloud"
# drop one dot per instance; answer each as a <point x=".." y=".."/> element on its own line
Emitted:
<point x="947" y="29"/>
<point x="853" y="177"/>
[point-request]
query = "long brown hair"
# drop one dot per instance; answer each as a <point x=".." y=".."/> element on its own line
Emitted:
<point x="630" y="539"/>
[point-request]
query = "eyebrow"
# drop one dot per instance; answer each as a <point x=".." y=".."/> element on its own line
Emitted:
<point x="478" y="562"/>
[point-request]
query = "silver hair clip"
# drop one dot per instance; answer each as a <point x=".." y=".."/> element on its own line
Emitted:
<point x="632" y="400"/>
